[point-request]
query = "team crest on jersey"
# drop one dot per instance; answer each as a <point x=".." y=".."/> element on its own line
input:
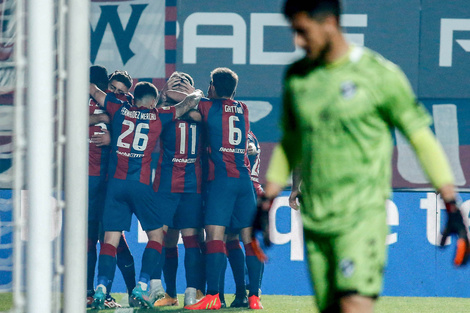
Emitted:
<point x="347" y="267"/>
<point x="348" y="89"/>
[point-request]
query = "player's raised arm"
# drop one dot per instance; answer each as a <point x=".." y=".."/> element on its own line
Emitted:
<point x="97" y="94"/>
<point x="190" y="102"/>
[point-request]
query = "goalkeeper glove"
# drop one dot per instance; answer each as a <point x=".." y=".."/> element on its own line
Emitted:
<point x="455" y="225"/>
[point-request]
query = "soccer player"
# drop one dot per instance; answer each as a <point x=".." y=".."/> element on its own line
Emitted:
<point x="235" y="253"/>
<point x="230" y="196"/>
<point x="178" y="188"/>
<point x="136" y="128"/>
<point x="97" y="164"/>
<point x="340" y="103"/>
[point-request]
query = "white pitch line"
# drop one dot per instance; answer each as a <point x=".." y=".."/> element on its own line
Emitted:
<point x="126" y="310"/>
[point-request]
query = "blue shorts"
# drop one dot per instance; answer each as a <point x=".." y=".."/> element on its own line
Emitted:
<point x="96" y="197"/>
<point x="125" y="197"/>
<point x="180" y="210"/>
<point x="231" y="203"/>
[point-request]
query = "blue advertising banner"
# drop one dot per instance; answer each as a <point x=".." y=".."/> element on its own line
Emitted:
<point x="445" y="46"/>
<point x="416" y="266"/>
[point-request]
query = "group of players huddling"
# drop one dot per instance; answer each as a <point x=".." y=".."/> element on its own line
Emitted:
<point x="205" y="187"/>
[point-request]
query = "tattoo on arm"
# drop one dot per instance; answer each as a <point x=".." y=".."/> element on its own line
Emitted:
<point x="190" y="102"/>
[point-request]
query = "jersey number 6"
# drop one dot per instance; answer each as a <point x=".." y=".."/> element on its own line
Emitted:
<point x="235" y="134"/>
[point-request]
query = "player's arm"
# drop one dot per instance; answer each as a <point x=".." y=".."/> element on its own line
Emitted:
<point x="190" y="102"/>
<point x="98" y="118"/>
<point x="97" y="94"/>
<point x="434" y="162"/>
<point x="295" y="191"/>
<point x="286" y="155"/>
<point x="192" y="115"/>
<point x="403" y="111"/>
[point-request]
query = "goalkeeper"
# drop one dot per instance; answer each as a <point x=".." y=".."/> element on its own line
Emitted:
<point x="340" y="104"/>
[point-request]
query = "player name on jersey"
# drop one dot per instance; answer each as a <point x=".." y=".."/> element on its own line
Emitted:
<point x="233" y="109"/>
<point x="138" y="115"/>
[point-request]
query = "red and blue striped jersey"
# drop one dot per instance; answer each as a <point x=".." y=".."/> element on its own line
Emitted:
<point x="179" y="165"/>
<point x="254" y="160"/>
<point x="97" y="156"/>
<point x="226" y="126"/>
<point x="134" y="136"/>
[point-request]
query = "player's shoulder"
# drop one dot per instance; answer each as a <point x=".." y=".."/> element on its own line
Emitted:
<point x="205" y="102"/>
<point x="300" y="68"/>
<point x="371" y="58"/>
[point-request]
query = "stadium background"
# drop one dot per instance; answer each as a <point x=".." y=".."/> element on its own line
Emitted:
<point x="429" y="39"/>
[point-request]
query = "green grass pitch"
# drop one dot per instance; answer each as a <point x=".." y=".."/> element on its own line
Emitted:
<point x="304" y="304"/>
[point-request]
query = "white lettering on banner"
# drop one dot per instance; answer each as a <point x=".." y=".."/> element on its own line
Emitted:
<point x="295" y="236"/>
<point x="433" y="206"/>
<point x="257" y="53"/>
<point x="392" y="220"/>
<point x="192" y="41"/>
<point x="354" y="20"/>
<point x="129" y="35"/>
<point x="238" y="40"/>
<point x="448" y="27"/>
<point x="446" y="128"/>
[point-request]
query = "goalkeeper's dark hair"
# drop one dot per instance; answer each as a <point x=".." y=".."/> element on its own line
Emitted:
<point x="122" y="77"/>
<point x="145" y="89"/>
<point x="317" y="9"/>
<point x="225" y="81"/>
<point x="99" y="76"/>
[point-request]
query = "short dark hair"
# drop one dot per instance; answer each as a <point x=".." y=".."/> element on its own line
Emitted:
<point x="145" y="89"/>
<point x="225" y="81"/>
<point x="99" y="76"/>
<point x="122" y="77"/>
<point x="314" y="8"/>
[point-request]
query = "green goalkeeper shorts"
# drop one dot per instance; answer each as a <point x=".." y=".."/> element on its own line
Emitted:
<point x="348" y="263"/>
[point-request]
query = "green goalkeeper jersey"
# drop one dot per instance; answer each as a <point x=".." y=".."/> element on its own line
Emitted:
<point x="337" y="124"/>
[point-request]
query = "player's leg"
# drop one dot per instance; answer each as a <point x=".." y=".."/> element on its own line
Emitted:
<point x="166" y="204"/>
<point x="360" y="257"/>
<point x="125" y="263"/>
<point x="215" y="256"/>
<point x="170" y="268"/>
<point x="320" y="260"/>
<point x="236" y="258"/>
<point x="243" y="216"/>
<point x="145" y="206"/>
<point x="218" y="211"/>
<point x="106" y="267"/>
<point x="151" y="257"/>
<point x="222" y="281"/>
<point x="116" y="218"/>
<point x="92" y="258"/>
<point x="189" y="218"/>
<point x="255" y="269"/>
<point x="96" y="198"/>
<point x="193" y="264"/>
